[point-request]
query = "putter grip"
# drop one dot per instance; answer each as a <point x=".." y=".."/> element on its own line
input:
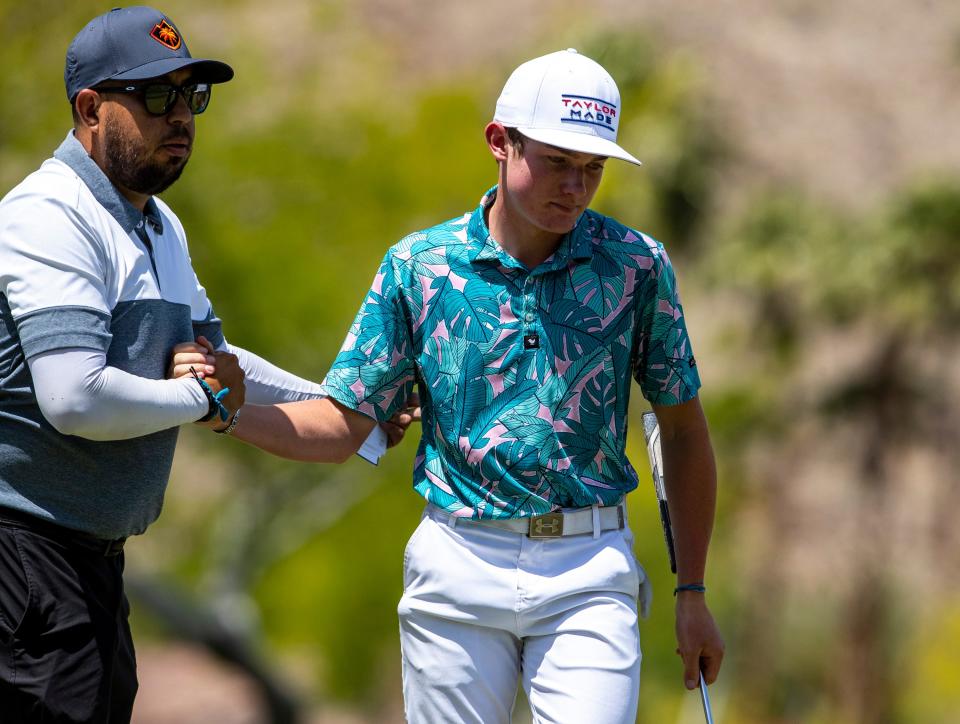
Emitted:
<point x="651" y="431"/>
<point x="668" y="534"/>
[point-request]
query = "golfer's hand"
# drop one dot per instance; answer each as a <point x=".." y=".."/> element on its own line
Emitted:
<point x="227" y="373"/>
<point x="218" y="369"/>
<point x="396" y="426"/>
<point x="698" y="639"/>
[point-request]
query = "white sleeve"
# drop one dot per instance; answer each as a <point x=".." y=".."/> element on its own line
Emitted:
<point x="80" y="395"/>
<point x="52" y="256"/>
<point x="267" y="384"/>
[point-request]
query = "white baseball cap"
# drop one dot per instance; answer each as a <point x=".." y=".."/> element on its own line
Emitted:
<point x="566" y="100"/>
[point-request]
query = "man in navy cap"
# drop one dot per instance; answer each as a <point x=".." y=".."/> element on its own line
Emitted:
<point x="96" y="291"/>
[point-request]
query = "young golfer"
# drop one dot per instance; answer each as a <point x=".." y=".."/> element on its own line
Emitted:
<point x="522" y="322"/>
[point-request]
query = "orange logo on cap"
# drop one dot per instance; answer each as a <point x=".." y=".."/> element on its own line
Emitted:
<point x="163" y="32"/>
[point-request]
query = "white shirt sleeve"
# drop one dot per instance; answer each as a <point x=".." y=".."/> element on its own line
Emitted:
<point x="80" y="395"/>
<point x="267" y="384"/>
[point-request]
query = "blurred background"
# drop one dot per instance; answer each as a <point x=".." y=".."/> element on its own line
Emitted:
<point x="802" y="167"/>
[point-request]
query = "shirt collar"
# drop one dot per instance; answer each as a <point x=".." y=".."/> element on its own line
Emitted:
<point x="482" y="247"/>
<point x="575" y="245"/>
<point x="72" y="153"/>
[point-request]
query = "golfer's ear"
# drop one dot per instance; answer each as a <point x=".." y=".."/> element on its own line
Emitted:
<point x="497" y="140"/>
<point x="86" y="109"/>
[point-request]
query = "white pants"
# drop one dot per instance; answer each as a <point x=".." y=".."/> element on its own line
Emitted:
<point x="483" y="607"/>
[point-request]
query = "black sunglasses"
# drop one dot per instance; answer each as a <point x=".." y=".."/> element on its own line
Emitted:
<point x="159" y="98"/>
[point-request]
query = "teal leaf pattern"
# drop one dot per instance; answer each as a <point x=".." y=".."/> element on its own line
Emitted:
<point x="512" y="429"/>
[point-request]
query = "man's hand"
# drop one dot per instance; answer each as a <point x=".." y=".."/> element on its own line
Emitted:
<point x="227" y="373"/>
<point x="218" y="370"/>
<point x="191" y="354"/>
<point x="396" y="426"/>
<point x="699" y="642"/>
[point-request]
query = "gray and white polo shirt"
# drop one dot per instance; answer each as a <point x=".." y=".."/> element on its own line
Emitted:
<point x="81" y="267"/>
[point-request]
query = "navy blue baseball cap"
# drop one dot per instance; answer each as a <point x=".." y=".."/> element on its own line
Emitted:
<point x="135" y="43"/>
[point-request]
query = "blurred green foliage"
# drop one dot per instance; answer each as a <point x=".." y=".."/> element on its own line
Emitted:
<point x="306" y="171"/>
<point x="930" y="687"/>
<point x="811" y="287"/>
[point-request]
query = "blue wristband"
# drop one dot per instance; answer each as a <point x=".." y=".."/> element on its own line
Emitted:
<point x="216" y="405"/>
<point x="695" y="587"/>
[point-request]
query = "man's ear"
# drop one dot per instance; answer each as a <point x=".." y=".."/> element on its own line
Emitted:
<point x="86" y="108"/>
<point x="497" y="140"/>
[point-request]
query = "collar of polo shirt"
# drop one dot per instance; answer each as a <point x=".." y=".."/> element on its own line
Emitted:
<point x="577" y="244"/>
<point x="72" y="153"/>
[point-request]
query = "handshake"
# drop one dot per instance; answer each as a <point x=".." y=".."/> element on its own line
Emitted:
<point x="220" y="370"/>
<point x="317" y="430"/>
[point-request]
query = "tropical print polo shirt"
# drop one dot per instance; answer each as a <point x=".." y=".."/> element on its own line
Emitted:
<point x="523" y="375"/>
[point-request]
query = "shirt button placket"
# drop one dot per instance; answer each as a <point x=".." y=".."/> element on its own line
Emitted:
<point x="531" y="336"/>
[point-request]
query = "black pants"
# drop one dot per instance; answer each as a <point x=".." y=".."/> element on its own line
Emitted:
<point x="66" y="654"/>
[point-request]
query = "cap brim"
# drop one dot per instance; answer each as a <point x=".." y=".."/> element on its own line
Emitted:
<point x="582" y="142"/>
<point x="204" y="71"/>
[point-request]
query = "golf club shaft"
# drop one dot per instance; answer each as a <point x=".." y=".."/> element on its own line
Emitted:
<point x="705" y="698"/>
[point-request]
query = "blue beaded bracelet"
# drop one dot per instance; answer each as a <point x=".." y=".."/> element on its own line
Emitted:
<point x="696" y="587"/>
<point x="214" y="398"/>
